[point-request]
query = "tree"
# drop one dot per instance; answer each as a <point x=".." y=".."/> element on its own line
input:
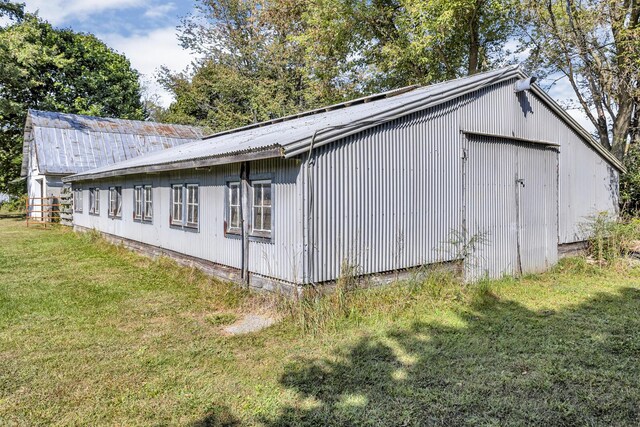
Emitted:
<point x="384" y="44"/>
<point x="56" y="69"/>
<point x="252" y="67"/>
<point x="595" y="44"/>
<point x="268" y="58"/>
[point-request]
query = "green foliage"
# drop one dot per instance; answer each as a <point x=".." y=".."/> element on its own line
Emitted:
<point x="390" y="43"/>
<point x="630" y="182"/>
<point x="595" y="45"/>
<point x="45" y="68"/>
<point x="317" y="309"/>
<point x="610" y="237"/>
<point x="252" y="70"/>
<point x="15" y="205"/>
<point x="269" y="58"/>
<point x="11" y="10"/>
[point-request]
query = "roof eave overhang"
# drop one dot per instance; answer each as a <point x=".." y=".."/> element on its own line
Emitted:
<point x="24" y="170"/>
<point x="268" y="153"/>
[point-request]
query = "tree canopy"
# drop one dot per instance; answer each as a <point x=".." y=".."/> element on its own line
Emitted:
<point x="46" y="68"/>
<point x="595" y="45"/>
<point x="266" y="58"/>
<point x="252" y="66"/>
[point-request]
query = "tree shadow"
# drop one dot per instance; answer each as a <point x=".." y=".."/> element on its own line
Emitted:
<point x="504" y="365"/>
<point x="217" y="416"/>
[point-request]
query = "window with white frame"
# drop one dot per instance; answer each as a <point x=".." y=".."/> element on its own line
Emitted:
<point x="138" y="202"/>
<point x="262" y="208"/>
<point x="233" y="207"/>
<point x="94" y="201"/>
<point x="142" y="203"/>
<point x="185" y="205"/>
<point x="77" y="200"/>
<point x="148" y="203"/>
<point x="115" y="202"/>
<point x="176" y="204"/>
<point x="192" y="205"/>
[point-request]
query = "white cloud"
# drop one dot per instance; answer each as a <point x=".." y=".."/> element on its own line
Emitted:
<point x="159" y="11"/>
<point x="58" y="12"/>
<point x="149" y="51"/>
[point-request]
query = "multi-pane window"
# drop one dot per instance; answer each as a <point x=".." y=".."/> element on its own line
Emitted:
<point x="262" y="207"/>
<point x="77" y="200"/>
<point x="184" y="205"/>
<point x="176" y="204"/>
<point x="142" y="203"/>
<point x="94" y="201"/>
<point x="138" y="202"/>
<point x="148" y="203"/>
<point x="115" y="202"/>
<point x="192" y="205"/>
<point x="233" y="203"/>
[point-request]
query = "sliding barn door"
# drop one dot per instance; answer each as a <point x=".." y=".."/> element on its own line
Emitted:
<point x="511" y="202"/>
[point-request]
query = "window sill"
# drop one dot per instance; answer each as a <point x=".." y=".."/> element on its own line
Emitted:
<point x="143" y="221"/>
<point x="260" y="239"/>
<point x="265" y="234"/>
<point x="257" y="236"/>
<point x="184" y="227"/>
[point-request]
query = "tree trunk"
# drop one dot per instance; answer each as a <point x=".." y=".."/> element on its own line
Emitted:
<point x="474" y="40"/>
<point x="622" y="128"/>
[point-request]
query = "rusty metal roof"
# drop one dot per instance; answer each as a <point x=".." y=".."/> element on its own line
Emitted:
<point x="66" y="144"/>
<point x="294" y="135"/>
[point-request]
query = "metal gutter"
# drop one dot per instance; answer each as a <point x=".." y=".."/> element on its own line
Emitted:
<point x="268" y="153"/>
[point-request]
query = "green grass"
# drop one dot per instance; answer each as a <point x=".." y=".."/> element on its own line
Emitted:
<point x="91" y="334"/>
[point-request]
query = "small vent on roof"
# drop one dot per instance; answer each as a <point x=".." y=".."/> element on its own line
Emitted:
<point x="525" y="84"/>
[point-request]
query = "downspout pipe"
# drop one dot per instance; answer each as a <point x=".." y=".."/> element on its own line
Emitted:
<point x="310" y="242"/>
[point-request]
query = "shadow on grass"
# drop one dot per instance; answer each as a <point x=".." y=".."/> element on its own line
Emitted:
<point x="505" y="365"/>
<point x="218" y="416"/>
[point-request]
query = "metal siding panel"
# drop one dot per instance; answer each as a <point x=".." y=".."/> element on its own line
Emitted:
<point x="389" y="197"/>
<point x="498" y="207"/>
<point x="491" y="209"/>
<point x="538" y="208"/>
<point x="282" y="256"/>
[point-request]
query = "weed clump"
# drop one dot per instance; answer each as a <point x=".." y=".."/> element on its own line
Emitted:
<point x="610" y="238"/>
<point x="352" y="300"/>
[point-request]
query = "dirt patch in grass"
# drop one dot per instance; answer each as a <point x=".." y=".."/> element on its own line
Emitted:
<point x="249" y="323"/>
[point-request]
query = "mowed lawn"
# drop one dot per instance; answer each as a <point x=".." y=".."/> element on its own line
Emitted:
<point x="91" y="334"/>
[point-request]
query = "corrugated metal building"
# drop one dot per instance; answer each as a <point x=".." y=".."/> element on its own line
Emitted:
<point x="385" y="183"/>
<point x="58" y="145"/>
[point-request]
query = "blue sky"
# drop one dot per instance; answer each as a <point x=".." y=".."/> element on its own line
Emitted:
<point x="143" y="30"/>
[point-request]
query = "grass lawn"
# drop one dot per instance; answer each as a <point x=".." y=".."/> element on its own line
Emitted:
<point x="91" y="334"/>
